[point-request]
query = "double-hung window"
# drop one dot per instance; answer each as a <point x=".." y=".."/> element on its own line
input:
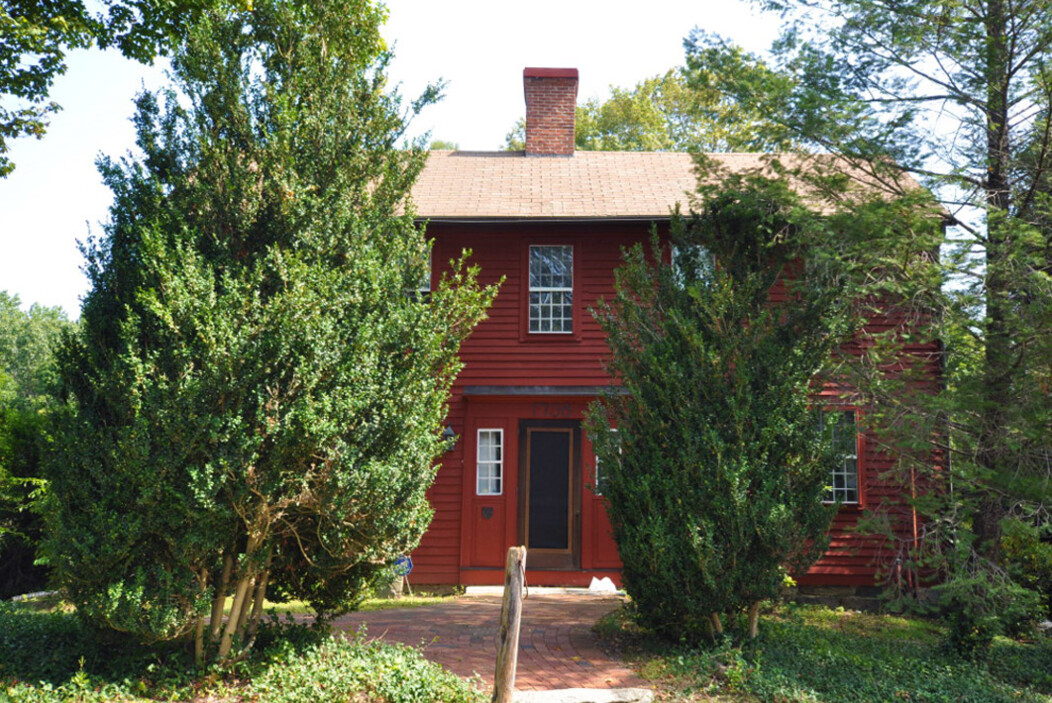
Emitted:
<point x="551" y="289"/>
<point x="489" y="464"/>
<point x="840" y="428"/>
<point x="422" y="291"/>
<point x="600" y="475"/>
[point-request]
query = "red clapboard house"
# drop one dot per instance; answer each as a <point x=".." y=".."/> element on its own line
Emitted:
<point x="552" y="222"/>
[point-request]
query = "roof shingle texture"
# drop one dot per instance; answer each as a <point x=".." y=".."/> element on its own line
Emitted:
<point x="477" y="185"/>
<point x="589" y="184"/>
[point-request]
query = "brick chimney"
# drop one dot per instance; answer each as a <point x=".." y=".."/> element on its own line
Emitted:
<point x="551" y="96"/>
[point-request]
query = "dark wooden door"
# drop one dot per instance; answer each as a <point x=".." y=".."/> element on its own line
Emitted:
<point x="549" y="497"/>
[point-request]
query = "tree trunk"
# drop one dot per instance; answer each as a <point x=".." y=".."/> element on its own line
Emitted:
<point x="997" y="360"/>
<point x="219" y="600"/>
<point x="717" y="625"/>
<point x="754" y="620"/>
<point x="246" y="608"/>
<point x="261" y="594"/>
<point x="199" y="642"/>
<point x="240" y="594"/>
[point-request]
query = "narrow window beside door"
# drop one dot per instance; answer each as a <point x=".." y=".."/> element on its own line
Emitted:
<point x="489" y="466"/>
<point x="600" y="475"/>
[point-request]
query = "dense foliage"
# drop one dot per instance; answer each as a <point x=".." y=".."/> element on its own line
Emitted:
<point x="53" y="656"/>
<point x="715" y="476"/>
<point x="255" y="401"/>
<point x="958" y="93"/>
<point x="27" y="374"/>
<point x="1028" y="557"/>
<point x="811" y="653"/>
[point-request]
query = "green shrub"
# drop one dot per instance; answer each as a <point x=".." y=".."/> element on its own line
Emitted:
<point x="1027" y="553"/>
<point x="261" y="408"/>
<point x="979" y="604"/>
<point x="715" y="478"/>
<point x="1023" y="664"/>
<point x="815" y="654"/>
<point x="48" y="657"/>
<point x="341" y="669"/>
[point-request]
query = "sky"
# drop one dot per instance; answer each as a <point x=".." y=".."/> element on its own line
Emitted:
<point x="55" y="198"/>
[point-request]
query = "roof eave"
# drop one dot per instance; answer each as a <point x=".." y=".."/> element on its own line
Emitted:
<point x="533" y="219"/>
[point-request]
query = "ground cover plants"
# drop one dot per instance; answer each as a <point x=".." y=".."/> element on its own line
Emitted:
<point x="51" y="655"/>
<point x="818" y="654"/>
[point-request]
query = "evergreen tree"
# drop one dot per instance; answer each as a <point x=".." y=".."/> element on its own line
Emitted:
<point x="715" y="476"/>
<point x="959" y="93"/>
<point x="254" y="400"/>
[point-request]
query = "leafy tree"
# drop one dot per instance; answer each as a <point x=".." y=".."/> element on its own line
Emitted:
<point x="442" y="144"/>
<point x="716" y="474"/>
<point x="672" y="112"/>
<point x="255" y="403"/>
<point x="37" y="35"/>
<point x="27" y="372"/>
<point x="960" y="93"/>
<point x="27" y="341"/>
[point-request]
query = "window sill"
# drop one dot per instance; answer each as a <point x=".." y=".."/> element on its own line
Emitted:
<point x="849" y="507"/>
<point x="549" y="337"/>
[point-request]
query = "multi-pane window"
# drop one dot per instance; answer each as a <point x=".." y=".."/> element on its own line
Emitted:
<point x="489" y="465"/>
<point x="841" y="430"/>
<point x="600" y="475"/>
<point x="551" y="289"/>
<point x="422" y="292"/>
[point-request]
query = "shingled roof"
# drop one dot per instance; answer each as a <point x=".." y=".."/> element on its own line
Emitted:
<point x="507" y="184"/>
<point x="472" y="185"/>
<point x="552" y="181"/>
<point x="627" y="185"/>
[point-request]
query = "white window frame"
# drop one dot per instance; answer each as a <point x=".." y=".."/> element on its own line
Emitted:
<point x="424" y="288"/>
<point x="489" y="470"/>
<point x="844" y="470"/>
<point x="596" y="487"/>
<point x="564" y="293"/>
<point x="422" y="292"/>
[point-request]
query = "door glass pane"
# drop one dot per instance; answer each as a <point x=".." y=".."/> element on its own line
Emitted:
<point x="549" y="497"/>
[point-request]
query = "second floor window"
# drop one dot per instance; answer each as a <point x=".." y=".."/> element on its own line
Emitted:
<point x="551" y="289"/>
<point x="422" y="291"/>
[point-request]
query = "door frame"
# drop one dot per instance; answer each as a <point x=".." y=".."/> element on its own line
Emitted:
<point x="551" y="558"/>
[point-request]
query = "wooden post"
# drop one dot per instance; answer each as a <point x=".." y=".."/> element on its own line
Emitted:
<point x="510" y="620"/>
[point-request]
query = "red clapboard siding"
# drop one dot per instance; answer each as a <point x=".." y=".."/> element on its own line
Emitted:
<point x="501" y="352"/>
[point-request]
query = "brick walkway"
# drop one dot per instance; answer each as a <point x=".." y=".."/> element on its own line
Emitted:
<point x="556" y="646"/>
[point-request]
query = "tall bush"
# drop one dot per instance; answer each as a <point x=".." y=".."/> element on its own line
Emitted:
<point x="255" y="402"/>
<point x="715" y="477"/>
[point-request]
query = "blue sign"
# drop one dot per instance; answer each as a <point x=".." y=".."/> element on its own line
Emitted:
<point x="403" y="566"/>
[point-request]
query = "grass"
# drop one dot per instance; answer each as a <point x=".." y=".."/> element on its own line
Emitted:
<point x="48" y="656"/>
<point x="816" y="655"/>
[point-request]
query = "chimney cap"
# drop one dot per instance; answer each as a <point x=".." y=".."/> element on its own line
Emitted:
<point x="549" y="72"/>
